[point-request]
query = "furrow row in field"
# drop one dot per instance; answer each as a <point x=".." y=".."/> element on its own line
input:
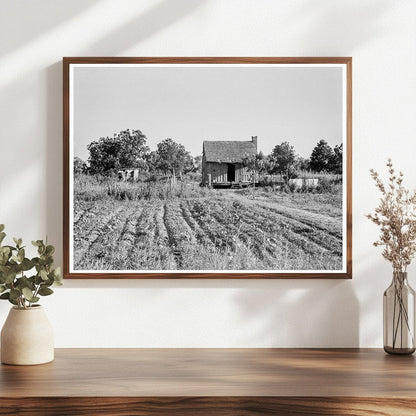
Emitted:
<point x="296" y="229"/>
<point x="100" y="241"/>
<point x="85" y="211"/>
<point x="181" y="238"/>
<point x="269" y="244"/>
<point x="298" y="237"/>
<point x="138" y="256"/>
<point x="163" y="256"/>
<point x="85" y="235"/>
<point x="79" y="210"/>
<point x="230" y="233"/>
<point x="252" y="237"/>
<point x="120" y="258"/>
<point x="287" y="245"/>
<point x="221" y="237"/>
<point x="201" y="236"/>
<point x="294" y="251"/>
<point x="320" y="222"/>
<point x="161" y="234"/>
<point x="233" y="249"/>
<point x="95" y="215"/>
<point x="324" y="222"/>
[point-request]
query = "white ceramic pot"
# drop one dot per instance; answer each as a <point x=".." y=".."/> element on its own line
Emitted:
<point x="27" y="337"/>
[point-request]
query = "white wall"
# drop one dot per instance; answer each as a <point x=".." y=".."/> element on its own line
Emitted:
<point x="380" y="35"/>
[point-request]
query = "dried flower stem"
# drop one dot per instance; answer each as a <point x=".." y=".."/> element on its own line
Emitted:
<point x="396" y="217"/>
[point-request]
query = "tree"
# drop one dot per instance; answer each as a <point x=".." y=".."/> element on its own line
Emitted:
<point x="152" y="161"/>
<point x="172" y="158"/>
<point x="336" y="161"/>
<point x="189" y="164"/>
<point x="79" y="166"/>
<point x="283" y="161"/>
<point x="255" y="163"/>
<point x="126" y="149"/>
<point x="321" y="157"/>
<point x="197" y="164"/>
<point x="302" y="163"/>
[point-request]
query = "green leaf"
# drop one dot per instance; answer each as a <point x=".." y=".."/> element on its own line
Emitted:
<point x="2" y="236"/>
<point x="47" y="260"/>
<point x="49" y="250"/>
<point x="2" y="288"/>
<point x="38" y="280"/>
<point x="5" y="250"/>
<point x="15" y="293"/>
<point x="45" y="291"/>
<point x="13" y="302"/>
<point x="43" y="274"/>
<point x="4" y="295"/>
<point x="35" y="261"/>
<point x="37" y="243"/>
<point x="4" y="255"/>
<point x="26" y="264"/>
<point x="24" y="282"/>
<point x="2" y="227"/>
<point x="28" y="294"/>
<point x="21" y="255"/>
<point x="9" y="277"/>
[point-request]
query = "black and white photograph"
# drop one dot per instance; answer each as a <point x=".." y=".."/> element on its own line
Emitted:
<point x="220" y="168"/>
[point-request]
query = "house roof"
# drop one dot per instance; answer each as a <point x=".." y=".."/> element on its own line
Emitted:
<point x="228" y="151"/>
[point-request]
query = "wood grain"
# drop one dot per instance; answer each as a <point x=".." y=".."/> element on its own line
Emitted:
<point x="207" y="406"/>
<point x="212" y="381"/>
<point x="67" y="61"/>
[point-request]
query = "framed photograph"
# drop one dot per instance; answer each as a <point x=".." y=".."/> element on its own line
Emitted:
<point x="207" y="168"/>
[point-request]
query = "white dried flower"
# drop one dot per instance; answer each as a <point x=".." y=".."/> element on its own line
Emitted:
<point x="396" y="217"/>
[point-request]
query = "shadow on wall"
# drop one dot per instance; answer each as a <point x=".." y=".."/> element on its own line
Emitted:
<point x="339" y="34"/>
<point x="158" y="17"/>
<point x="44" y="17"/>
<point x="301" y="313"/>
<point x="54" y="134"/>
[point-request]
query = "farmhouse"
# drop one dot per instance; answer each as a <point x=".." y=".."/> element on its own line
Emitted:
<point x="128" y="174"/>
<point x="222" y="162"/>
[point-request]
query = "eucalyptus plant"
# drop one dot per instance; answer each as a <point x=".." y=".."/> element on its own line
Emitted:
<point x="16" y="285"/>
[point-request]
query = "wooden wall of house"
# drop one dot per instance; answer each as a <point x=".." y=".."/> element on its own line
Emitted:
<point x="204" y="170"/>
<point x="244" y="175"/>
<point x="219" y="173"/>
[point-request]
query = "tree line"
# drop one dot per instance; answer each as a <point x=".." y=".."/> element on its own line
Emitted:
<point x="128" y="150"/>
<point x="284" y="161"/>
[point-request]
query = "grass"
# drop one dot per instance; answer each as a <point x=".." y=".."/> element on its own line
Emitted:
<point x="154" y="226"/>
<point x="93" y="188"/>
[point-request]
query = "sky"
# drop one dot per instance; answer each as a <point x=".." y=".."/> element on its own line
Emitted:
<point x="300" y="105"/>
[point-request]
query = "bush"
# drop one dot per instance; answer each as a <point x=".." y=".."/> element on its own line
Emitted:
<point x="329" y="186"/>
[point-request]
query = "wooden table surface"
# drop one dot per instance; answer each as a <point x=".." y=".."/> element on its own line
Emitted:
<point x="212" y="381"/>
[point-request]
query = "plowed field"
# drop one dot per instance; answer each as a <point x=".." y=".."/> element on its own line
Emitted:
<point x="225" y="232"/>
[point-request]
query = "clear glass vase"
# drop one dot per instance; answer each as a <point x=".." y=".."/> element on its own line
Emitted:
<point x="399" y="316"/>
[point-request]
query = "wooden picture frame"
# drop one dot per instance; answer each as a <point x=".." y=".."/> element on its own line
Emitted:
<point x="98" y="207"/>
